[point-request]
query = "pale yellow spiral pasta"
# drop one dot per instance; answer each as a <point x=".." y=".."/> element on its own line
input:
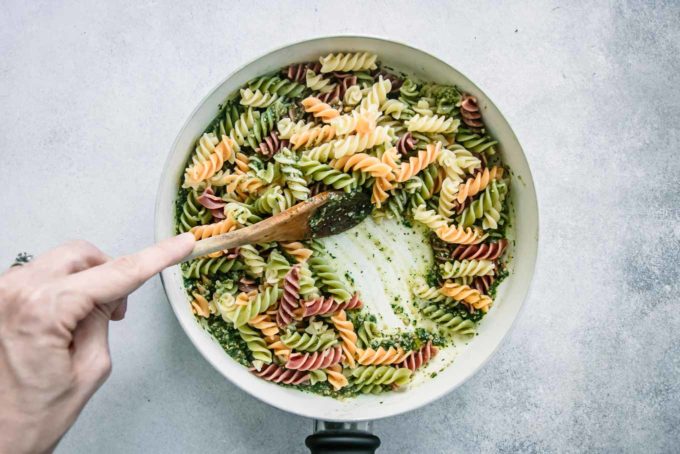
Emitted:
<point x="349" y="338"/>
<point x="434" y="123"/>
<point x="460" y="235"/>
<point x="376" y="95"/>
<point x="352" y="96"/>
<point x="393" y="108"/>
<point x="319" y="109"/>
<point x="287" y="128"/>
<point x="469" y="296"/>
<point x="350" y="145"/>
<point x="318" y="83"/>
<point x="447" y="197"/>
<point x="356" y="61"/>
<point x="425" y="157"/>
<point x="257" y="98"/>
<point x="466" y="268"/>
<point x="313" y="136"/>
<point x="380" y="357"/>
<point x="429" y="217"/>
<point x="478" y="183"/>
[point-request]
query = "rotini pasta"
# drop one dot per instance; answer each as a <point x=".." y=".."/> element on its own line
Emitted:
<point x="290" y="311"/>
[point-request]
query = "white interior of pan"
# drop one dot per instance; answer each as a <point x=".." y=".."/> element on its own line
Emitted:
<point x="378" y="278"/>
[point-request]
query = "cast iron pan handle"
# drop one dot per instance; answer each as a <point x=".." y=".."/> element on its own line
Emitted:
<point x="342" y="438"/>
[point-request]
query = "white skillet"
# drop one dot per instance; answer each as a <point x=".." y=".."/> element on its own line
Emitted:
<point x="493" y="328"/>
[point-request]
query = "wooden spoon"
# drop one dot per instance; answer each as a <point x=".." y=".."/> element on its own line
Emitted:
<point x="325" y="214"/>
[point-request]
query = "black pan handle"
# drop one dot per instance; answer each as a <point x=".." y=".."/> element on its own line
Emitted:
<point x="342" y="438"/>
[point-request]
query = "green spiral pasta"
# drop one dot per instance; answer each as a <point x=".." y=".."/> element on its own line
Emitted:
<point x="276" y="85"/>
<point x="308" y="288"/>
<point x="254" y="263"/>
<point x="224" y="123"/>
<point x="326" y="174"/>
<point x="271" y="201"/>
<point x="192" y="214"/>
<point x="309" y="342"/>
<point x="366" y="333"/>
<point x="255" y="343"/>
<point x="475" y="142"/>
<point x="487" y="207"/>
<point x="240" y="314"/>
<point x="445" y="97"/>
<point x="209" y="266"/>
<point x="317" y="376"/>
<point x="448" y="321"/>
<point x="328" y="279"/>
<point x="292" y="174"/>
<point x="276" y="268"/>
<point x="265" y="122"/>
<point x="409" y="92"/>
<point x="380" y="375"/>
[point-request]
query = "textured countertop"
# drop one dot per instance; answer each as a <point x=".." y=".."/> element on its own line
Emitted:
<point x="91" y="98"/>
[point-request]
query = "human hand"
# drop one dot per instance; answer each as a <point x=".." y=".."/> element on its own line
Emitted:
<point x="54" y="318"/>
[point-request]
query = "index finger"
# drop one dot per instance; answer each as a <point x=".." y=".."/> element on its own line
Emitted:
<point x="120" y="277"/>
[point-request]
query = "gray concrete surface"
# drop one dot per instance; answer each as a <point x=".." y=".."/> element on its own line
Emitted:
<point x="91" y="97"/>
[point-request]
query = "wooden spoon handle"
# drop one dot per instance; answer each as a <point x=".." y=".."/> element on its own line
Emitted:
<point x="224" y="241"/>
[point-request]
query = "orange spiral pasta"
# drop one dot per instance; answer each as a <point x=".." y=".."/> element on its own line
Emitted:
<point x="313" y="136"/>
<point x="478" y="183"/>
<point x="206" y="231"/>
<point x="382" y="185"/>
<point x="319" y="109"/>
<point x="296" y="250"/>
<point x="469" y="296"/>
<point x="415" y="164"/>
<point x="264" y="323"/>
<point x="201" y="171"/>
<point x="364" y="163"/>
<point x="348" y="336"/>
<point x="335" y="376"/>
<point x="380" y="357"/>
<point x="460" y="235"/>
<point x="199" y="305"/>
<point x="281" y="350"/>
<point x="242" y="162"/>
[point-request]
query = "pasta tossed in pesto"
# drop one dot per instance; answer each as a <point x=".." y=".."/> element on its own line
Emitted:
<point x="343" y="123"/>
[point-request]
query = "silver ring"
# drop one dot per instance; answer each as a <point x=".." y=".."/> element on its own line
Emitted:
<point x="22" y="259"/>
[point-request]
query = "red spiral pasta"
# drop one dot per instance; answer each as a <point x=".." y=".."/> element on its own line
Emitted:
<point x="469" y="110"/>
<point x="213" y="203"/>
<point x="246" y="285"/>
<point x="277" y="374"/>
<point x="324" y="306"/>
<point x="482" y="283"/>
<point x="290" y="299"/>
<point x="298" y="72"/>
<point x="483" y="251"/>
<point x="406" y="144"/>
<point x="315" y="360"/>
<point x="416" y="359"/>
<point x="271" y="145"/>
